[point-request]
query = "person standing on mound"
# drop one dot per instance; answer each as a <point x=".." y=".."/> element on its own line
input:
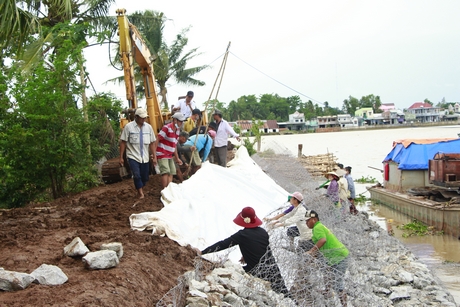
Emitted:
<point x="254" y="246"/>
<point x="137" y="139"/>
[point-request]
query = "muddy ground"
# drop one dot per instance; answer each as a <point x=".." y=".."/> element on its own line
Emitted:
<point x="37" y="234"/>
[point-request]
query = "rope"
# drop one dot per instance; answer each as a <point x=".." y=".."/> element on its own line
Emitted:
<point x="219" y="75"/>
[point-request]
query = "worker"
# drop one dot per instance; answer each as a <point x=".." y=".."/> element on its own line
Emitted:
<point x="186" y="105"/>
<point x="351" y="189"/>
<point x="191" y="122"/>
<point x="137" y="138"/>
<point x="184" y="153"/>
<point x="166" y="146"/>
<point x="295" y="216"/>
<point x="335" y="253"/>
<point x="203" y="129"/>
<point x="253" y="242"/>
<point x="223" y="129"/>
<point x="201" y="148"/>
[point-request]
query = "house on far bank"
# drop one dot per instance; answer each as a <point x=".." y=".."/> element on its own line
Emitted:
<point x="311" y="124"/>
<point x="456" y="107"/>
<point x="268" y="126"/>
<point x="346" y="120"/>
<point x="425" y="112"/>
<point x="387" y="107"/>
<point x="364" y="113"/>
<point x="296" y="122"/>
<point x="393" y="117"/>
<point x="328" y="121"/>
<point x="271" y="126"/>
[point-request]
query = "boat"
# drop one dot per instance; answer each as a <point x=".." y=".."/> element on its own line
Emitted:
<point x="422" y="180"/>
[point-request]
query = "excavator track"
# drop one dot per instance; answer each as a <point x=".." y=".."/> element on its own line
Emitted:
<point x="112" y="171"/>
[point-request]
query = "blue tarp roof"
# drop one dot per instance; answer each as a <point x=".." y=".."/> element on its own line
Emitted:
<point x="416" y="156"/>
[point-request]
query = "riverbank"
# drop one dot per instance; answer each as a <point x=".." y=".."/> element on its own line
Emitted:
<point x="440" y="253"/>
<point x="383" y="272"/>
<point x="370" y="127"/>
<point x="442" y="216"/>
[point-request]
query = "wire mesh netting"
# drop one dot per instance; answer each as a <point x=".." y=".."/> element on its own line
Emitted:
<point x="362" y="279"/>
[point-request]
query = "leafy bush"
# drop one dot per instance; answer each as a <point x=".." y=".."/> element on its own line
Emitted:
<point x="367" y="179"/>
<point x="417" y="228"/>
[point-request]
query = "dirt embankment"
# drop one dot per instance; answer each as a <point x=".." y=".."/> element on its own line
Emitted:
<point x="37" y="234"/>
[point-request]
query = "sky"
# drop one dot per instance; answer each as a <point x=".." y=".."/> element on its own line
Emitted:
<point x="403" y="51"/>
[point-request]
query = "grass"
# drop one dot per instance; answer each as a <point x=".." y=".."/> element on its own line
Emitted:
<point x="361" y="199"/>
<point x="417" y="228"/>
<point x="367" y="179"/>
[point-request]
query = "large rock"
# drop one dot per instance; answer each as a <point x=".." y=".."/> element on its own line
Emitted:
<point x="12" y="281"/>
<point x="104" y="259"/>
<point x="114" y="246"/>
<point x="76" y="248"/>
<point x="49" y="275"/>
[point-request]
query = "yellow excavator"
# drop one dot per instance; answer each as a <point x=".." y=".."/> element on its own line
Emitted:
<point x="134" y="49"/>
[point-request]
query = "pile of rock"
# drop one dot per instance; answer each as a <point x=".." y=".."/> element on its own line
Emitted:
<point x="227" y="286"/>
<point x="382" y="272"/>
<point x="107" y="257"/>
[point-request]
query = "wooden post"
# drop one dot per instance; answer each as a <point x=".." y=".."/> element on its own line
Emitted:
<point x="299" y="152"/>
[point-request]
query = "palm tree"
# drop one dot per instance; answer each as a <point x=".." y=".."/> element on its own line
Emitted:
<point x="20" y="19"/>
<point x="170" y="60"/>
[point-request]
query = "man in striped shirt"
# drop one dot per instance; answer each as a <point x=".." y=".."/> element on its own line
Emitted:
<point x="166" y="148"/>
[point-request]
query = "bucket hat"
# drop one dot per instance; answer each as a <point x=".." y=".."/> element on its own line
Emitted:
<point x="247" y="218"/>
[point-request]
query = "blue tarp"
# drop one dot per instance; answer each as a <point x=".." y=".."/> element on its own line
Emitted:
<point x="416" y="156"/>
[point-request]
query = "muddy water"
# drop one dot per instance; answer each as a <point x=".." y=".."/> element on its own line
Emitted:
<point x="361" y="149"/>
<point x="440" y="253"/>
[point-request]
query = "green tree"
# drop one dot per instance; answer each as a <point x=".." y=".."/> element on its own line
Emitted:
<point x="371" y="101"/>
<point x="295" y="103"/>
<point x="350" y="105"/>
<point x="428" y="101"/>
<point x="103" y="111"/>
<point x="43" y="134"/>
<point x="308" y="110"/>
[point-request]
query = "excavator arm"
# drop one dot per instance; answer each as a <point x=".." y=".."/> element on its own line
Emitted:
<point x="134" y="49"/>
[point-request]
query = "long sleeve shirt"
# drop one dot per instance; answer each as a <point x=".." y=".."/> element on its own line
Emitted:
<point x="223" y="130"/>
<point x="203" y="142"/>
<point x="351" y="186"/>
<point x="297" y="217"/>
<point x="333" y="191"/>
<point x="253" y="243"/>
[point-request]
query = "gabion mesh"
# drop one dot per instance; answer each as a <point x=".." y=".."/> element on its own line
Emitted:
<point x="310" y="280"/>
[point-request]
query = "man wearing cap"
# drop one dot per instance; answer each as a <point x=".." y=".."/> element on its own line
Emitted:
<point x="223" y="129"/>
<point x="137" y="138"/>
<point x="190" y="123"/>
<point x="166" y="149"/>
<point x="253" y="242"/>
<point x="332" y="249"/>
<point x="186" y="105"/>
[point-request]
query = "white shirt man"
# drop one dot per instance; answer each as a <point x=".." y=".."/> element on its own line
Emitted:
<point x="220" y="142"/>
<point x="138" y="138"/>
<point x="186" y="105"/>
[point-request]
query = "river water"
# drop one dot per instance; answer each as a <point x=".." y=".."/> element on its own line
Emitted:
<point x="363" y="148"/>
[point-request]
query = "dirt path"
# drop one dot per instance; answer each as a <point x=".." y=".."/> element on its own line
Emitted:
<point x="37" y="234"/>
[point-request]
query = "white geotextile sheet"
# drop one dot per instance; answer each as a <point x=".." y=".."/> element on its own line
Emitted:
<point x="200" y="211"/>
